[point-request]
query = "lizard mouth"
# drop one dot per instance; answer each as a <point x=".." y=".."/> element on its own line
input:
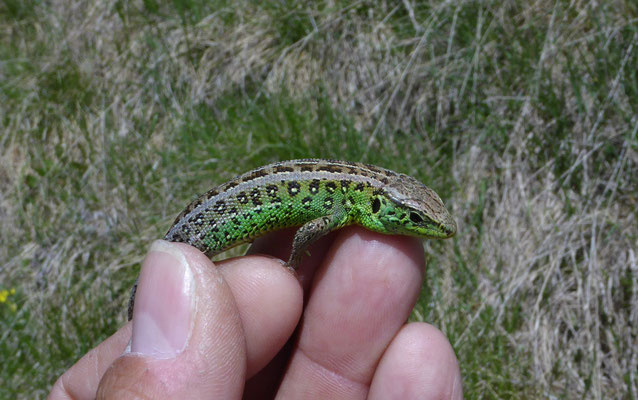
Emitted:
<point x="449" y="228"/>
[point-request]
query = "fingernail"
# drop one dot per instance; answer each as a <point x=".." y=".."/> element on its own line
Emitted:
<point x="162" y="313"/>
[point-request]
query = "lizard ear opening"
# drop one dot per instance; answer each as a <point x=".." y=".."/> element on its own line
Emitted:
<point x="376" y="205"/>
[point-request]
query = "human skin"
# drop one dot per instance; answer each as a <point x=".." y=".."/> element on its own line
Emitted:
<point x="249" y="328"/>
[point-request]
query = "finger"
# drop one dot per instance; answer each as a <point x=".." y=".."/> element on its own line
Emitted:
<point x="187" y="340"/>
<point x="419" y="364"/>
<point x="269" y="299"/>
<point x="81" y="380"/>
<point x="279" y="244"/>
<point x="259" y="285"/>
<point x="362" y="295"/>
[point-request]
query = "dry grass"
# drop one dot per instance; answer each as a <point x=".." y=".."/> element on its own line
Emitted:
<point x="113" y="115"/>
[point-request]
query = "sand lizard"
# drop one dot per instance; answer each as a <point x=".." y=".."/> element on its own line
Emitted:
<point x="317" y="195"/>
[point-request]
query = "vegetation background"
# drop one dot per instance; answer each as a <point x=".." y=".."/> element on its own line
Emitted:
<point x="522" y="115"/>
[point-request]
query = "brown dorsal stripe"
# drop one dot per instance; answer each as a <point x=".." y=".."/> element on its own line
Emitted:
<point x="283" y="168"/>
<point x="254" y="175"/>
<point x="330" y="168"/>
<point x="305" y="167"/>
<point x="230" y="185"/>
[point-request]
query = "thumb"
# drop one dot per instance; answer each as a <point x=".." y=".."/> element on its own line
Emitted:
<point x="187" y="338"/>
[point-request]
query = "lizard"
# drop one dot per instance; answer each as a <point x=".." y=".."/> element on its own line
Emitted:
<point x="316" y="194"/>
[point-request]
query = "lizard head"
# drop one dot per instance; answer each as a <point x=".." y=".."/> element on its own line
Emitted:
<point x="411" y="208"/>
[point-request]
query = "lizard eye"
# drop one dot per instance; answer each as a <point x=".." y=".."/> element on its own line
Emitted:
<point x="416" y="218"/>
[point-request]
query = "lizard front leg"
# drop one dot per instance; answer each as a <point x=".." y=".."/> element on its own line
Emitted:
<point x="310" y="232"/>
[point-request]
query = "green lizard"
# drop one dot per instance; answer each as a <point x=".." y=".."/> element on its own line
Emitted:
<point x="318" y="195"/>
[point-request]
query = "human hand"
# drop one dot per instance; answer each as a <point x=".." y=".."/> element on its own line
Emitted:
<point x="224" y="331"/>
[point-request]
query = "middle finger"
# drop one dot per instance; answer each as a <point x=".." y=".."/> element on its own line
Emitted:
<point x="361" y="296"/>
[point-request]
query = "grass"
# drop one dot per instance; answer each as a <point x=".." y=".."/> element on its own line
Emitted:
<point x="521" y="115"/>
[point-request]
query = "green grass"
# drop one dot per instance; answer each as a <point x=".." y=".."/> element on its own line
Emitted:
<point x="522" y="117"/>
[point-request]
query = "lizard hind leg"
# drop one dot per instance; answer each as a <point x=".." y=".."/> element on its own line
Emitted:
<point x="131" y="300"/>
